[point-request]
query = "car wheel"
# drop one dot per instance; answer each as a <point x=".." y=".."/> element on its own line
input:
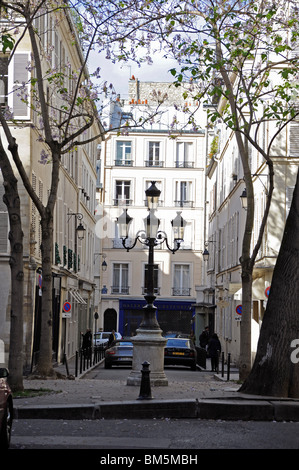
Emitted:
<point x="193" y="367"/>
<point x="107" y="366"/>
<point x="5" y="433"/>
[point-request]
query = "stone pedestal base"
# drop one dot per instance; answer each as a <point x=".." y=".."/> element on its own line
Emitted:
<point x="148" y="346"/>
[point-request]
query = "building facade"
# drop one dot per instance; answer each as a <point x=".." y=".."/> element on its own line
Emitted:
<point x="73" y="267"/>
<point x="159" y="151"/>
<point x="222" y="290"/>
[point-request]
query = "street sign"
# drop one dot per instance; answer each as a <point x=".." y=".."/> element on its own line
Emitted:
<point x="267" y="291"/>
<point x="67" y="307"/>
<point x="239" y="309"/>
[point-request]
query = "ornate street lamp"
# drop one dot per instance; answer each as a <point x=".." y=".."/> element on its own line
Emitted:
<point x="243" y="198"/>
<point x="149" y="343"/>
<point x="79" y="230"/>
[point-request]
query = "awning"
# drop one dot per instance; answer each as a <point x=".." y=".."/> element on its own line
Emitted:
<point x="77" y="296"/>
<point x="258" y="290"/>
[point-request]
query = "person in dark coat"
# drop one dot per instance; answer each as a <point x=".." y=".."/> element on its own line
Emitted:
<point x="87" y="338"/>
<point x="86" y="342"/>
<point x="214" y="349"/>
<point x="204" y="338"/>
<point x="112" y="338"/>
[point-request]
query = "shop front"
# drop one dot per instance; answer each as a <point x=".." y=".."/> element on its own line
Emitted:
<point x="172" y="316"/>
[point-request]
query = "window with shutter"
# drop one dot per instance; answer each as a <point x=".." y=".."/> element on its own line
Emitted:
<point x="3" y="80"/>
<point x="294" y="140"/>
<point x="289" y="198"/>
<point x="19" y="85"/>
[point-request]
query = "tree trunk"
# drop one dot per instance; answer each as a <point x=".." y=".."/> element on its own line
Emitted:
<point x="12" y="201"/>
<point x="44" y="364"/>
<point x="245" y="331"/>
<point x="275" y="372"/>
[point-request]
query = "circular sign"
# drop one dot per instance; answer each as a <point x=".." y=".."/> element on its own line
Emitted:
<point x="239" y="309"/>
<point x="267" y="292"/>
<point x="67" y="307"/>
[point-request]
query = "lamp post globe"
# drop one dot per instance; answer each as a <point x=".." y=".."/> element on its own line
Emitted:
<point x="152" y="196"/>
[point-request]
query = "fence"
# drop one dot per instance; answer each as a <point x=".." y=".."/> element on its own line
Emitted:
<point x="222" y="366"/>
<point x="87" y="358"/>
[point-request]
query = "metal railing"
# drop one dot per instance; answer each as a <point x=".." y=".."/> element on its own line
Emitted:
<point x="87" y="358"/>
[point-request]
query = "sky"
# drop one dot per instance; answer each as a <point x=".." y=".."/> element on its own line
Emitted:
<point x="119" y="73"/>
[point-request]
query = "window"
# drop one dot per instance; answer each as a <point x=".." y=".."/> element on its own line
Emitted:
<point x="156" y="274"/>
<point x="123" y="153"/>
<point x="3" y="80"/>
<point x="181" y="279"/>
<point x="153" y="154"/>
<point x="184" y="155"/>
<point x="183" y="194"/>
<point x="18" y="85"/>
<point x="120" y="278"/>
<point x="122" y="193"/>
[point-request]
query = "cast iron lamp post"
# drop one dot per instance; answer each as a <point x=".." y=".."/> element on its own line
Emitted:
<point x="149" y="343"/>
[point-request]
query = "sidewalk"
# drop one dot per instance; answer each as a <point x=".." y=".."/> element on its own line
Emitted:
<point x="208" y="396"/>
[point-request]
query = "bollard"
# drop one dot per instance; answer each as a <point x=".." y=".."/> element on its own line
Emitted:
<point x="81" y="359"/>
<point x="66" y="364"/>
<point x="76" y="365"/>
<point x="145" y="385"/>
<point x="228" y="366"/>
<point x="222" y="364"/>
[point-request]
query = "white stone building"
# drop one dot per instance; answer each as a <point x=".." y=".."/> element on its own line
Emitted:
<point x="130" y="161"/>
<point x="221" y="293"/>
<point x="73" y="259"/>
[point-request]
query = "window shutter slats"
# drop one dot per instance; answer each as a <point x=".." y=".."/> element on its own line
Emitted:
<point x="19" y="86"/>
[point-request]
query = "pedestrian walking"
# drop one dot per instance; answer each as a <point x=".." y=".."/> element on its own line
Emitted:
<point x="204" y="338"/>
<point x="214" y="349"/>
<point x="86" y="342"/>
<point x="112" y="338"/>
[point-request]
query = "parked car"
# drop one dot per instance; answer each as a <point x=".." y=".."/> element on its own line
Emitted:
<point x="6" y="410"/>
<point x="180" y="351"/>
<point x="102" y="337"/>
<point x="120" y="354"/>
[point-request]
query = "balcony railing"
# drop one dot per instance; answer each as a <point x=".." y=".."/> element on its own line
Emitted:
<point x="181" y="291"/>
<point x="155" y="163"/>
<point x="123" y="162"/>
<point x="184" y="164"/>
<point x="122" y="202"/>
<point x="183" y="203"/>
<point x="122" y="290"/>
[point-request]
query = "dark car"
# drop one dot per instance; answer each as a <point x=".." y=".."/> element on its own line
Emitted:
<point x="120" y="354"/>
<point x="6" y="410"/>
<point x="180" y="351"/>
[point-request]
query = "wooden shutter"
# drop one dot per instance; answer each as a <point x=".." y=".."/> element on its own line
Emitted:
<point x="19" y="85"/>
<point x="294" y="140"/>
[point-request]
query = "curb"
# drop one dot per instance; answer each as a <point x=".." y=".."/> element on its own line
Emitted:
<point x="225" y="409"/>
